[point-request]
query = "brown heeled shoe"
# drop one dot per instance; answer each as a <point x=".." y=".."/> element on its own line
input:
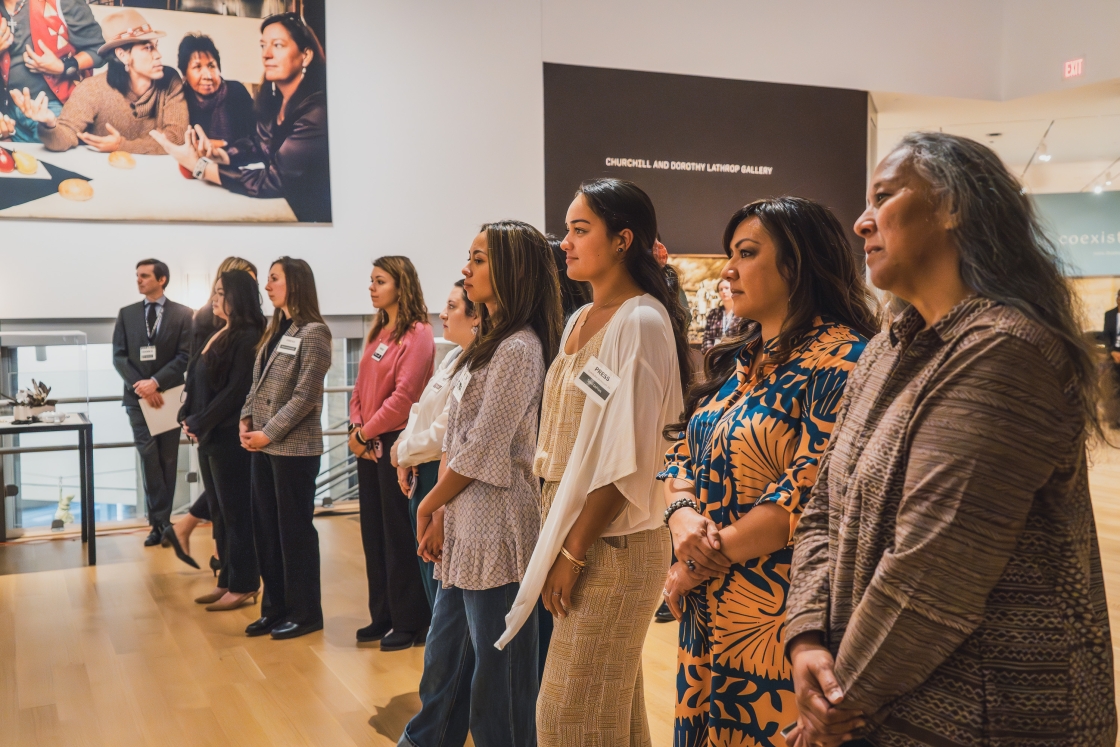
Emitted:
<point x="240" y="600"/>
<point x="211" y="597"/>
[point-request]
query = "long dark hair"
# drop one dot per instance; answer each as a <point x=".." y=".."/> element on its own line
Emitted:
<point x="824" y="278"/>
<point x="1005" y="254"/>
<point x="523" y="276"/>
<point x="269" y="99"/>
<point x="410" y="298"/>
<point x="302" y="300"/>
<point x="243" y="306"/>
<point x="622" y="204"/>
<point x="573" y="293"/>
<point x="116" y="74"/>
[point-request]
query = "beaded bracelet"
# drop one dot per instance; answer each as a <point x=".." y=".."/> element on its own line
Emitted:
<point x="579" y="564"/>
<point x="679" y="504"/>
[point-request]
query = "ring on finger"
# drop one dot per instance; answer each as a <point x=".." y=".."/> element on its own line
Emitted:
<point x="691" y="564"/>
<point x="664" y="592"/>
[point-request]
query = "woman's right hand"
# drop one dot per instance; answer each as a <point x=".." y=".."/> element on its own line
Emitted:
<point x="35" y="109"/>
<point x="679" y="582"/>
<point x="356" y="447"/>
<point x="402" y="479"/>
<point x="824" y="721"/>
<point x="696" y="538"/>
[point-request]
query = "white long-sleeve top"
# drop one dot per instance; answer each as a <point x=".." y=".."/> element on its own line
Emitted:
<point x="619" y="442"/>
<point x="422" y="439"/>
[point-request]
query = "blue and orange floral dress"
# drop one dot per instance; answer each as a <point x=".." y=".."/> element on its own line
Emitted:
<point x="754" y="441"/>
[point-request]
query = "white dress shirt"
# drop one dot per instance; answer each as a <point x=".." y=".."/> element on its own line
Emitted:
<point x="422" y="439"/>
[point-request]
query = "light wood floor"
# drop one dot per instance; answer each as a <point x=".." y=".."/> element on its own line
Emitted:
<point x="119" y="655"/>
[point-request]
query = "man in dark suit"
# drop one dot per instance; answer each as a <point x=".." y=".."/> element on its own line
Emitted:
<point x="1112" y="344"/>
<point x="151" y="348"/>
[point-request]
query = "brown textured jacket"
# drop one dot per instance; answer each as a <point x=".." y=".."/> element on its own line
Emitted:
<point x="95" y="104"/>
<point x="948" y="553"/>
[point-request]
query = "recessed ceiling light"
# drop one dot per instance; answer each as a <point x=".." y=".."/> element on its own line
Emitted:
<point x="1044" y="157"/>
<point x="1098" y="189"/>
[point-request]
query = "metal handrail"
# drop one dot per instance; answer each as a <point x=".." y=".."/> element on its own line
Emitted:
<point x="119" y="397"/>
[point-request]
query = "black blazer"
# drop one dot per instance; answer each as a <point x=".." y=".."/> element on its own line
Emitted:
<point x="216" y="401"/>
<point x="1111" y="341"/>
<point x="173" y="347"/>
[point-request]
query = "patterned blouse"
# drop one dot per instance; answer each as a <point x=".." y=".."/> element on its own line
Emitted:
<point x="490" y="528"/>
<point x="756" y="440"/>
<point x="948" y="554"/>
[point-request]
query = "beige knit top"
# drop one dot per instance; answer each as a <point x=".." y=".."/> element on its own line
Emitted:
<point x="562" y="410"/>
<point x="95" y="104"/>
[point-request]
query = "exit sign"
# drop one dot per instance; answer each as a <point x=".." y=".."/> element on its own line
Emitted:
<point x="1073" y="68"/>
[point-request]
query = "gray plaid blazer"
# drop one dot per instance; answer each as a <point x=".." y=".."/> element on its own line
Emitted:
<point x="286" y="400"/>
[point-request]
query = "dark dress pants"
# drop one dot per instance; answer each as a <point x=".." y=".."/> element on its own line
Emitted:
<point x="287" y="543"/>
<point x="159" y="459"/>
<point x="205" y="508"/>
<point x="396" y="592"/>
<point x="226" y="473"/>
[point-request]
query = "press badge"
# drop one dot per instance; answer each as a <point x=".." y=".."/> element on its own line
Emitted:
<point x="461" y="385"/>
<point x="380" y="352"/>
<point x="148" y="353"/>
<point x="597" y="381"/>
<point x="288" y="345"/>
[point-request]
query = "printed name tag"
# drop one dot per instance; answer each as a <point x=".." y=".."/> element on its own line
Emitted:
<point x="288" y="345"/>
<point x="461" y="385"/>
<point x="596" y="380"/>
<point x="148" y="353"/>
<point x="380" y="352"/>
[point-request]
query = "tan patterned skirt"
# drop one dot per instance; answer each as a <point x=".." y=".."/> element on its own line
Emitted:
<point x="592" y="695"/>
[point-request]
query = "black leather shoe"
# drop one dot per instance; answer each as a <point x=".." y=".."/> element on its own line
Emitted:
<point x="155" y="537"/>
<point x="373" y="633"/>
<point x="171" y="540"/>
<point x="263" y="626"/>
<point x="292" y="630"/>
<point x="400" y="640"/>
<point x="663" y="615"/>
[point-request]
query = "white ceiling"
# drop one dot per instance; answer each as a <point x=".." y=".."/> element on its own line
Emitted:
<point x="1083" y="139"/>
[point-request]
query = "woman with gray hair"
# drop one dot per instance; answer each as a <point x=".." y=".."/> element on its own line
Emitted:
<point x="947" y="584"/>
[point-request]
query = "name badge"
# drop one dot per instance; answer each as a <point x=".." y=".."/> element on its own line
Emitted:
<point x="288" y="345"/>
<point x="461" y="385"/>
<point x="597" y="381"/>
<point x="148" y="353"/>
<point x="380" y="352"/>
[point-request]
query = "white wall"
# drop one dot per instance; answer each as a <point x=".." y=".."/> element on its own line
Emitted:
<point x="437" y="123"/>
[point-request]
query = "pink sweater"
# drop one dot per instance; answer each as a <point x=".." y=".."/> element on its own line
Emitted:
<point x="386" y="389"/>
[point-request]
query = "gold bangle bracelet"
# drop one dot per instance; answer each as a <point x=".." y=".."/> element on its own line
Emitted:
<point x="579" y="564"/>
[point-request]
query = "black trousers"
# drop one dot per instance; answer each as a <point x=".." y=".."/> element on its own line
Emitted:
<point x="226" y="472"/>
<point x="287" y="543"/>
<point x="159" y="459"/>
<point x="396" y="590"/>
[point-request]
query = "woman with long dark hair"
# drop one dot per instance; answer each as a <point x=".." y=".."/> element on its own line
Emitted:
<point x="395" y="365"/>
<point x="573" y="293"/>
<point x="417" y="451"/>
<point x="615" y="385"/>
<point x="947" y="582"/>
<point x="218" y="380"/>
<point x="746" y="455"/>
<point x="291" y="136"/>
<point x="490" y="500"/>
<point x="280" y="426"/>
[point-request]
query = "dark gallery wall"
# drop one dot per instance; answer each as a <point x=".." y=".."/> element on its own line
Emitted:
<point x="702" y="147"/>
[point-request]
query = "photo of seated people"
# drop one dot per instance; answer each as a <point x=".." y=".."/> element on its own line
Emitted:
<point x="183" y="110"/>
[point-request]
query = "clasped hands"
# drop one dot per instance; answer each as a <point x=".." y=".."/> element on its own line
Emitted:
<point x="148" y="390"/>
<point x="698" y="547"/>
<point x="252" y="440"/>
<point x="429" y="533"/>
<point x="195" y="145"/>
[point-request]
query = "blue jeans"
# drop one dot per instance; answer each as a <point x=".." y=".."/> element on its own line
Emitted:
<point x="469" y="684"/>
<point x="27" y="130"/>
<point x="426" y="480"/>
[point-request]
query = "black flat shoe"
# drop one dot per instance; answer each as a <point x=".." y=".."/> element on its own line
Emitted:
<point x="170" y="540"/>
<point x="155" y="537"/>
<point x="372" y="633"/>
<point x="663" y="615"/>
<point x="292" y="630"/>
<point x="263" y="626"/>
<point x="400" y="640"/>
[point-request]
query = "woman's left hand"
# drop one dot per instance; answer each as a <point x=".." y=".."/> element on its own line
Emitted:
<point x="255" y="440"/>
<point x="355" y="445"/>
<point x="184" y="154"/>
<point x="558" y="585"/>
<point x="431" y="543"/>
